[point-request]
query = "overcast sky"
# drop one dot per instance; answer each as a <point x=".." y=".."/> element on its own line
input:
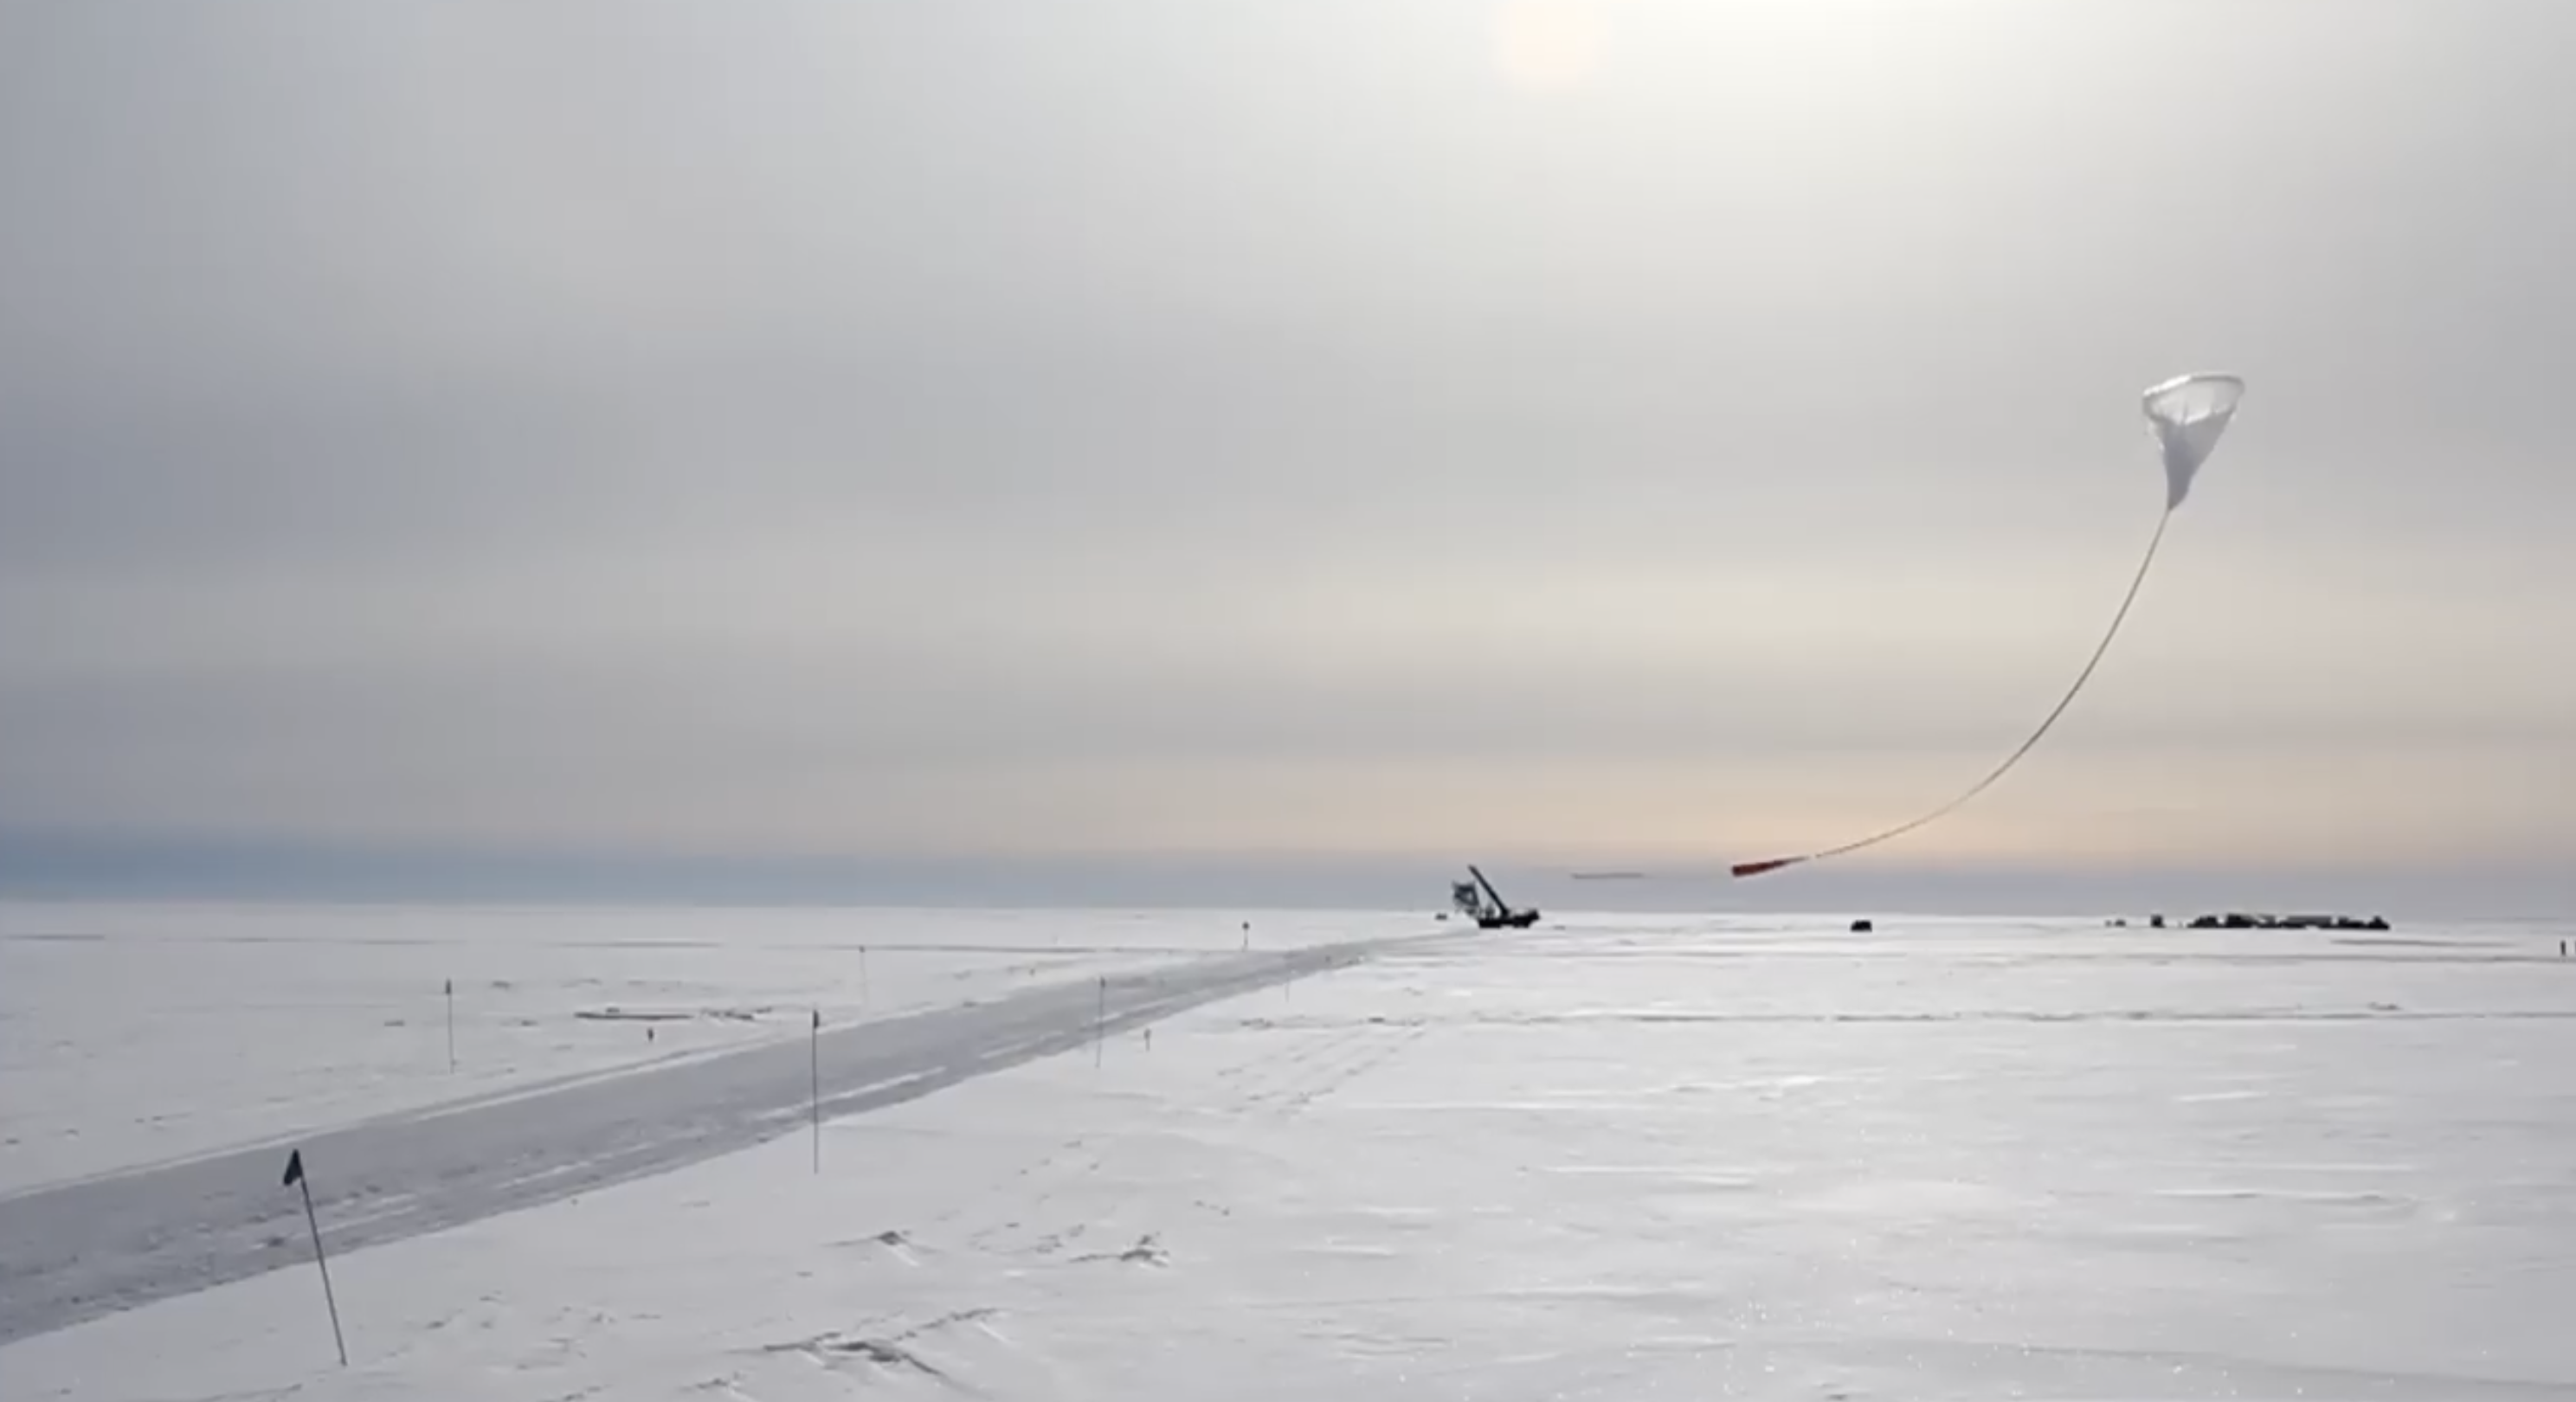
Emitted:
<point x="1596" y="431"/>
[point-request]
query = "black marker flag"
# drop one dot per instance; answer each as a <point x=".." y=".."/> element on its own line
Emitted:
<point x="295" y="1179"/>
<point x="814" y="1053"/>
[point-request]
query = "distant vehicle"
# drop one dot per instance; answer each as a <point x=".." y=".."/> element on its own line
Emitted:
<point x="1479" y="901"/>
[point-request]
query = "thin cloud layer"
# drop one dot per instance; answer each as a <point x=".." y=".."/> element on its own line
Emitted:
<point x="1149" y="427"/>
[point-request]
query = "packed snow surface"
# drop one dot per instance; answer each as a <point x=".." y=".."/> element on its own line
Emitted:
<point x="80" y="1250"/>
<point x="130" y="1034"/>
<point x="1605" y="1158"/>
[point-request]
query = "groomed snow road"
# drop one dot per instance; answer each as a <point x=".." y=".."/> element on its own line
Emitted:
<point x="75" y="1251"/>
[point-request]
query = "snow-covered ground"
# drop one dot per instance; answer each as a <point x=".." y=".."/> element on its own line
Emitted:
<point x="1617" y="1158"/>
<point x="133" y="1034"/>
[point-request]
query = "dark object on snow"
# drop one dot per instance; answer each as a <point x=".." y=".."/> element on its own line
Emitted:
<point x="1862" y="927"/>
<point x="295" y="1179"/>
<point x="2239" y="920"/>
<point x="1480" y="902"/>
<point x="2155" y="922"/>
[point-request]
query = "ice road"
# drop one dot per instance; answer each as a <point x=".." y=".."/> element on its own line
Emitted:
<point x="75" y="1251"/>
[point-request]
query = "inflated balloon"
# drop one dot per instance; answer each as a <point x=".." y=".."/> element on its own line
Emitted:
<point x="2187" y="414"/>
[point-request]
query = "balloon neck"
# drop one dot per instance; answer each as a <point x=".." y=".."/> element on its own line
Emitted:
<point x="2180" y="465"/>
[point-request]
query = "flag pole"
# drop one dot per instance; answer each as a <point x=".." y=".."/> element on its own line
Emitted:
<point x="451" y="1024"/>
<point x="295" y="1175"/>
<point x="814" y="1050"/>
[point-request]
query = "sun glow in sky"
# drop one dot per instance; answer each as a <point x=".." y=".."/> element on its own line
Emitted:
<point x="1547" y="45"/>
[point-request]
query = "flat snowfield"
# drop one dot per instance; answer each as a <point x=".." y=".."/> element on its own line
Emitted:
<point x="1610" y="1158"/>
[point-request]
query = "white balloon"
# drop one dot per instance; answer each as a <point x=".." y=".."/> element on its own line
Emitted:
<point x="2187" y="415"/>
